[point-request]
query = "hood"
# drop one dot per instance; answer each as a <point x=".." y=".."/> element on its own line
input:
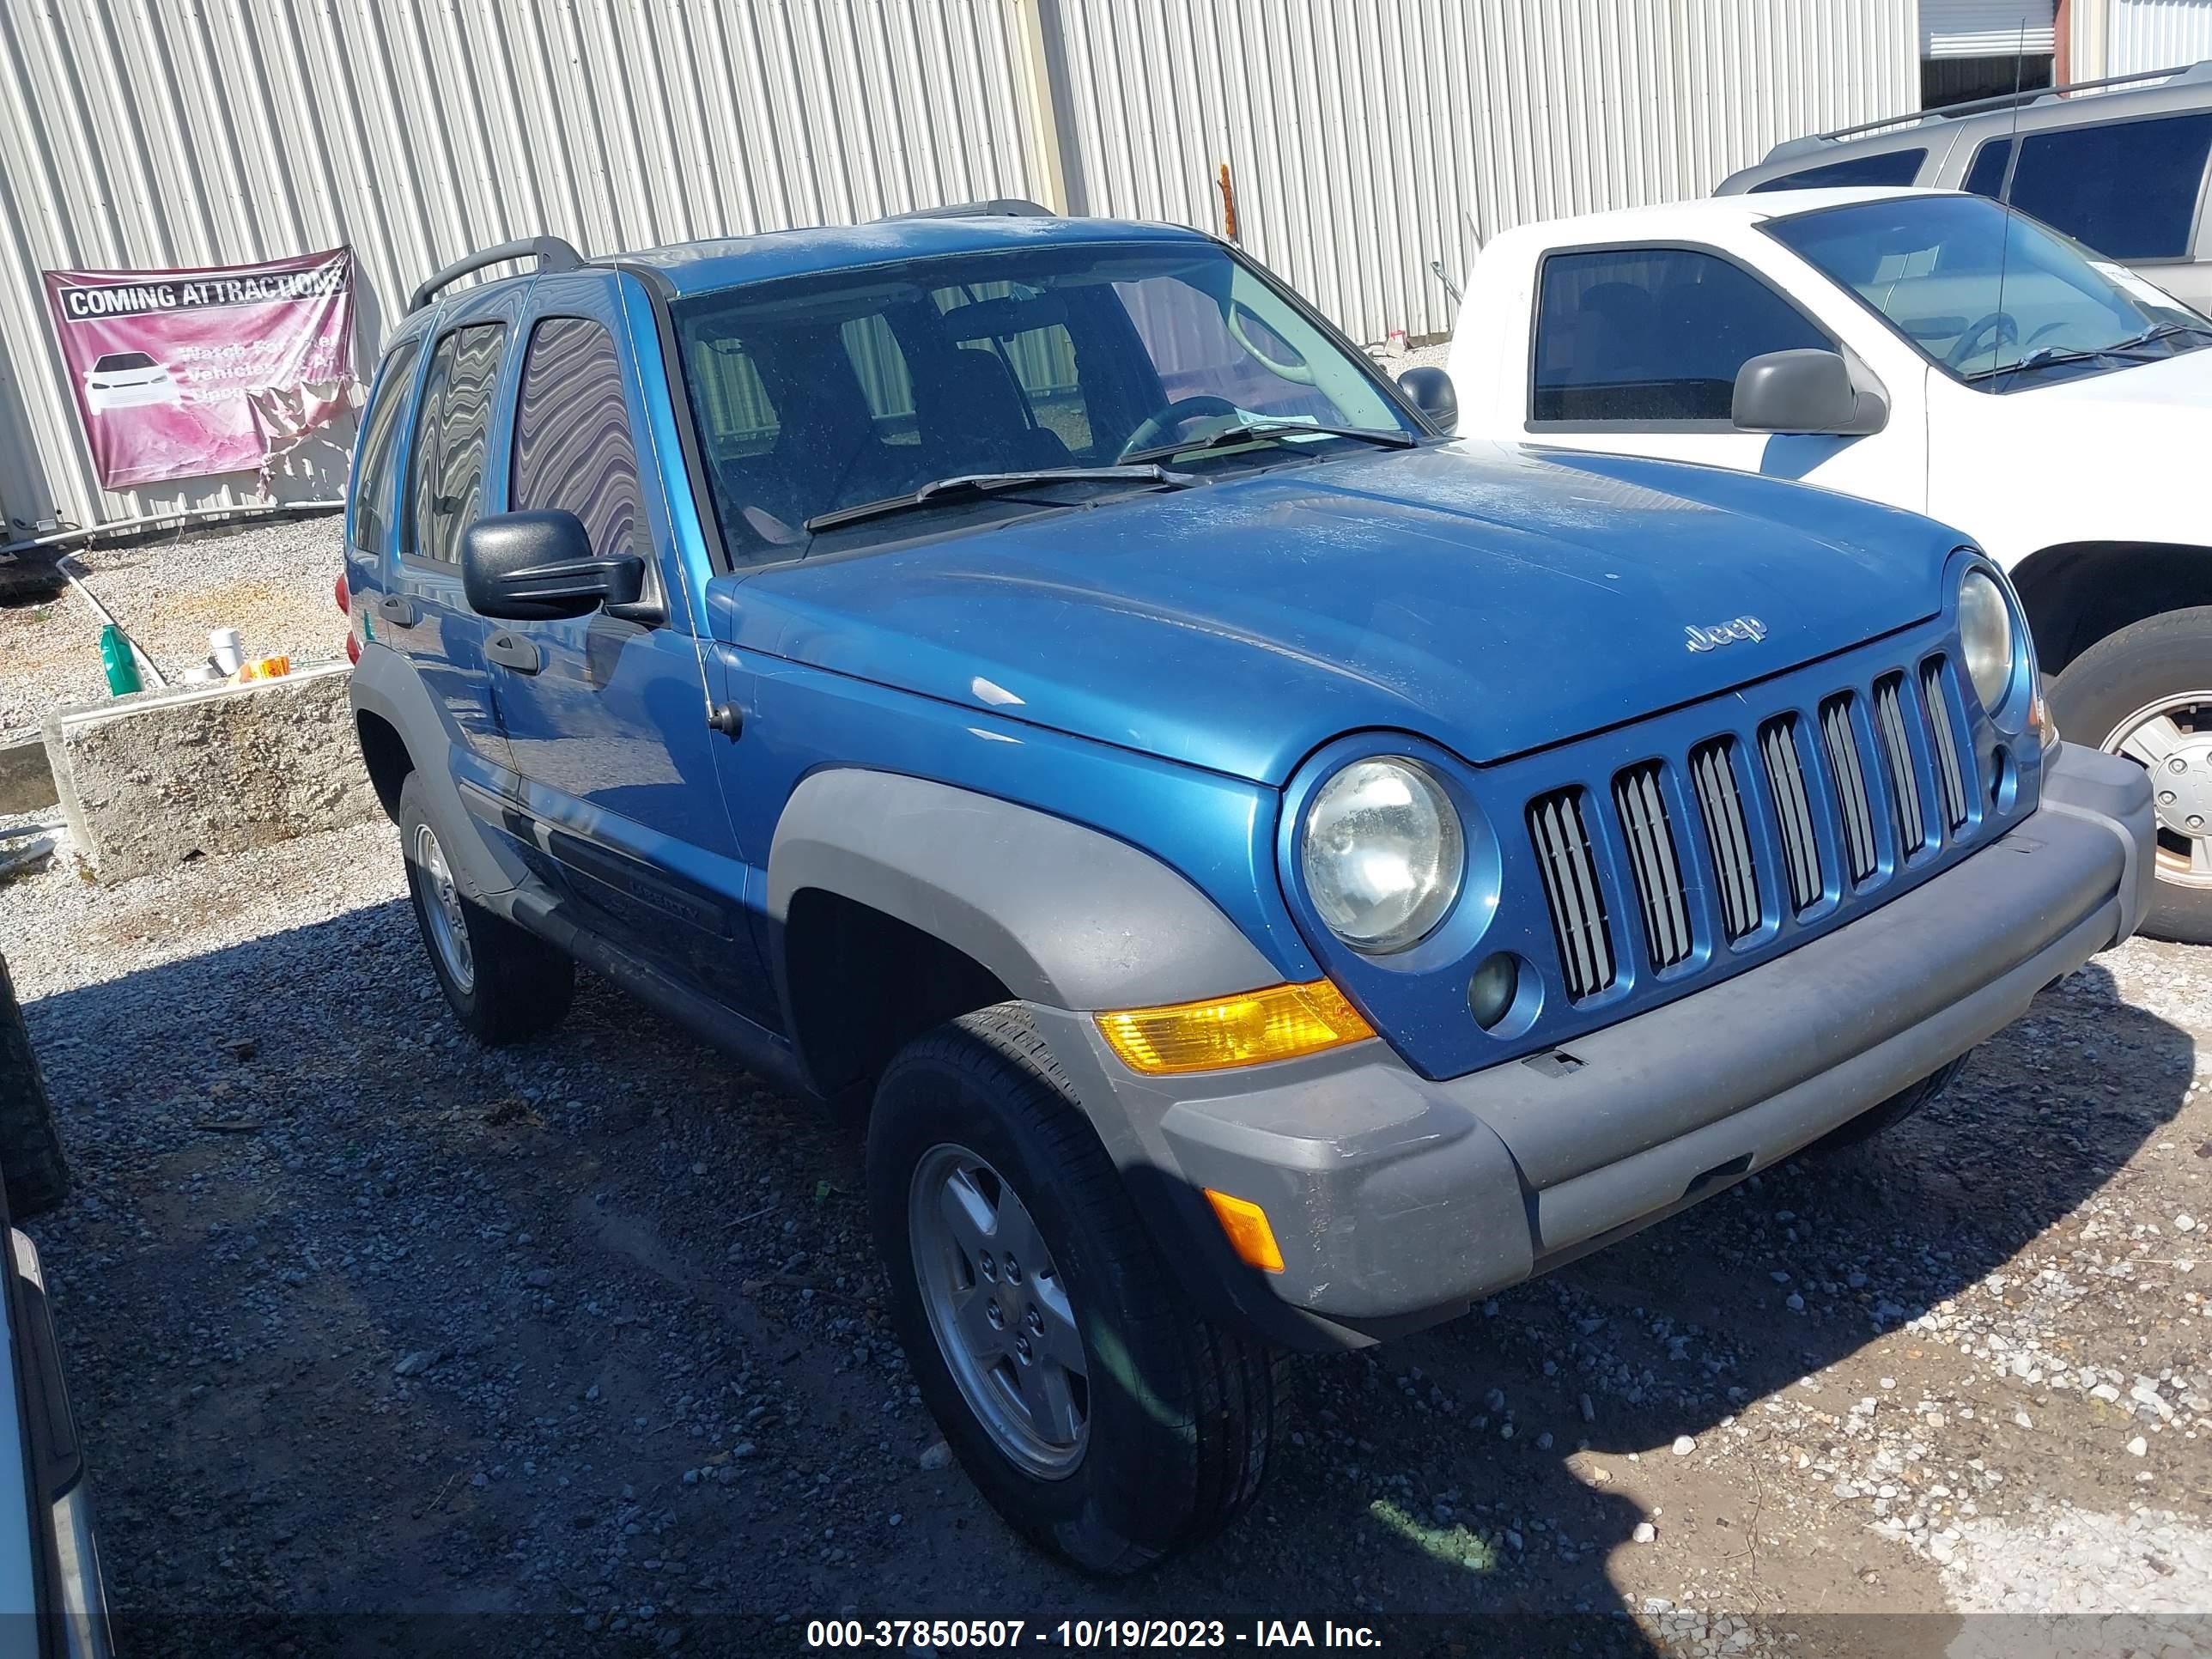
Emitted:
<point x="2158" y="389"/>
<point x="1494" y="599"/>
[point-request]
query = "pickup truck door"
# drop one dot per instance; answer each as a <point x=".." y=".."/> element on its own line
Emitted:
<point x="620" y="799"/>
<point x="1633" y="348"/>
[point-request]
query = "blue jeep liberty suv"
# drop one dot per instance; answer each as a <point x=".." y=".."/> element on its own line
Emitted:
<point x="1273" y="874"/>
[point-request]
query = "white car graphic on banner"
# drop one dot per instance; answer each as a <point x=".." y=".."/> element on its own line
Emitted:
<point x="127" y="379"/>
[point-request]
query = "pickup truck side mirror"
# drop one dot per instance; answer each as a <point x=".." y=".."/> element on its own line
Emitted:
<point x="538" y="566"/>
<point x="1807" y="392"/>
<point x="1429" y="391"/>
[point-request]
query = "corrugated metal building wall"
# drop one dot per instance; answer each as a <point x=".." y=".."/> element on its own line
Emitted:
<point x="2149" y="34"/>
<point x="1365" y="137"/>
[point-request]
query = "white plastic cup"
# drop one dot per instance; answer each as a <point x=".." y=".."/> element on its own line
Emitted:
<point x="227" y="648"/>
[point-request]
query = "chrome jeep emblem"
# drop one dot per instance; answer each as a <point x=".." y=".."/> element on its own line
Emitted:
<point x="1726" y="633"/>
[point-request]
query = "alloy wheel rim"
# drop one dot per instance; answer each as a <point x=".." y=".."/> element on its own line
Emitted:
<point x="449" y="926"/>
<point x="2171" y="740"/>
<point x="999" y="1310"/>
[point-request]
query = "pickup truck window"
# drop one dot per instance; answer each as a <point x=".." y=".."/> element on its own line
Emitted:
<point x="817" y="394"/>
<point x="2066" y="178"/>
<point x="1991" y="296"/>
<point x="1886" y="167"/>
<point x="1652" y="334"/>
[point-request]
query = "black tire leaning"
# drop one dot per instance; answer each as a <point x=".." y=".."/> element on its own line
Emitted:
<point x="523" y="986"/>
<point x="37" y="1177"/>
<point x="1890" y="1113"/>
<point x="1179" y="1431"/>
<point x="2160" y="657"/>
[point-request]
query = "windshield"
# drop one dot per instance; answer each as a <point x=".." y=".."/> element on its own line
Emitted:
<point x="1985" y="291"/>
<point x="817" y="394"/>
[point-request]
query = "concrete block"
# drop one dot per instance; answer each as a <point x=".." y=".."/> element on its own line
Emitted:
<point x="151" y="781"/>
<point x="27" y="782"/>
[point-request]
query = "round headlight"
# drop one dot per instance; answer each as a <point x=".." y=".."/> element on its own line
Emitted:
<point x="1986" y="636"/>
<point x="1383" y="853"/>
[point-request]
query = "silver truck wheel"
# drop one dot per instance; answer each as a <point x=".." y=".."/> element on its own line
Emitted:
<point x="999" y="1310"/>
<point x="2171" y="740"/>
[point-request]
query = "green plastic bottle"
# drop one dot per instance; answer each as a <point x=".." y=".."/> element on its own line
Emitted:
<point x="122" y="667"/>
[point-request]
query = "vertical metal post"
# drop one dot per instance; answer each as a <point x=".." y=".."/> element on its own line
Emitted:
<point x="1035" y="63"/>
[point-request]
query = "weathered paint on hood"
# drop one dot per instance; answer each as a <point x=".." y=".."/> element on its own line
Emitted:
<point x="1494" y="598"/>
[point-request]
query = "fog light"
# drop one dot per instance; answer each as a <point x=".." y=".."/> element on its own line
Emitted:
<point x="1490" y="993"/>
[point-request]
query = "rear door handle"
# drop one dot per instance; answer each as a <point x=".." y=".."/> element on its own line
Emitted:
<point x="513" y="650"/>
<point x="399" y="612"/>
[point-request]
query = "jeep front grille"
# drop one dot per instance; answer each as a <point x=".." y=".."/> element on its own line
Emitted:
<point x="1840" y="785"/>
<point x="1793" y="808"/>
<point x="1898" y="772"/>
<point x="1556" y="824"/>
<point x="1637" y="796"/>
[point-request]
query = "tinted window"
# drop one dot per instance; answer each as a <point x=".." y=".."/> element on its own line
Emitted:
<point x="446" y="473"/>
<point x="1889" y="166"/>
<point x="572" y="442"/>
<point x="380" y="432"/>
<point x="2129" y="190"/>
<point x="1653" y="334"/>
<point x="115" y="362"/>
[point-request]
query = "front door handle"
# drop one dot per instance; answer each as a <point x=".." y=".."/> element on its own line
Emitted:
<point x="395" y="610"/>
<point x="513" y="650"/>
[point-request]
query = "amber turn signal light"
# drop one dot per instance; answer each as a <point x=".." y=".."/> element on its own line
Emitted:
<point x="1278" y="1023"/>
<point x="1249" y="1234"/>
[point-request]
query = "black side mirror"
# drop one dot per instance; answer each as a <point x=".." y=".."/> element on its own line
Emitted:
<point x="538" y="566"/>
<point x="1429" y="391"/>
<point x="1807" y="392"/>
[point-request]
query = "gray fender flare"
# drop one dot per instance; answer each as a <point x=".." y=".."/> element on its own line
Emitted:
<point x="1064" y="915"/>
<point x="385" y="684"/>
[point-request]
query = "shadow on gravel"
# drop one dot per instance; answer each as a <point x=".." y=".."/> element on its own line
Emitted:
<point x="1422" y="1483"/>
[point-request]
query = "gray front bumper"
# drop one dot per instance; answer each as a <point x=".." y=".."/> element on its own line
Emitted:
<point x="1398" y="1201"/>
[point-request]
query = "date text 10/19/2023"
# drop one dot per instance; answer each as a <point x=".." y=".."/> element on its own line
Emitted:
<point x="985" y="1635"/>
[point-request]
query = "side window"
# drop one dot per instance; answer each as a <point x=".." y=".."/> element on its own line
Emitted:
<point x="445" y="485"/>
<point x="1888" y="167"/>
<point x="573" y="447"/>
<point x="372" y="484"/>
<point x="1986" y="176"/>
<point x="1652" y="334"/>
<point x="879" y="365"/>
<point x="2068" y="177"/>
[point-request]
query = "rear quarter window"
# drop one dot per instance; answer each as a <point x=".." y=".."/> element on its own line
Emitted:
<point x="1888" y="167"/>
<point x="379" y="437"/>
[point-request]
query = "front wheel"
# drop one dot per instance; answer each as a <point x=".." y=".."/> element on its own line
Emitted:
<point x="1085" y="1398"/>
<point x="2146" y="693"/>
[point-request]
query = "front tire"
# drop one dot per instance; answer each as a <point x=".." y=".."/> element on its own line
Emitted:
<point x="1090" y="1403"/>
<point x="1905" y="1103"/>
<point x="504" y="985"/>
<point x="2146" y="693"/>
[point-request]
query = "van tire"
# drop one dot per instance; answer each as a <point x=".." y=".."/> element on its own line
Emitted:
<point x="37" y="1178"/>
<point x="2162" y="657"/>
<point x="1180" y="1415"/>
<point x="505" y="985"/>
<point x="1905" y="1103"/>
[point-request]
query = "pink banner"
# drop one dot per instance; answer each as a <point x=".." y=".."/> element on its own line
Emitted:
<point x="182" y="373"/>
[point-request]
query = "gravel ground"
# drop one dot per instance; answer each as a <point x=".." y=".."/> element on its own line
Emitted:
<point x="270" y="580"/>
<point x="585" y="1338"/>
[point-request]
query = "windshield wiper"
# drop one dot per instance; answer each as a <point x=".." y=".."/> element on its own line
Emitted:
<point x="1253" y="431"/>
<point x="985" y="483"/>
<point x="2130" y="350"/>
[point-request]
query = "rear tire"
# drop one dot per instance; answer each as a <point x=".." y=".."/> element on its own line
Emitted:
<point x="2113" y="697"/>
<point x="37" y="1178"/>
<point x="504" y="985"/>
<point x="1888" y="1115"/>
<point x="1163" y="1439"/>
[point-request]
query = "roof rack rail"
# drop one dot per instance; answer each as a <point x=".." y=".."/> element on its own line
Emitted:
<point x="999" y="207"/>
<point x="2202" y="71"/>
<point x="552" y="253"/>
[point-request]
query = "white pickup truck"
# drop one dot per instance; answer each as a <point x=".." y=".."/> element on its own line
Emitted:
<point x="1920" y="347"/>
